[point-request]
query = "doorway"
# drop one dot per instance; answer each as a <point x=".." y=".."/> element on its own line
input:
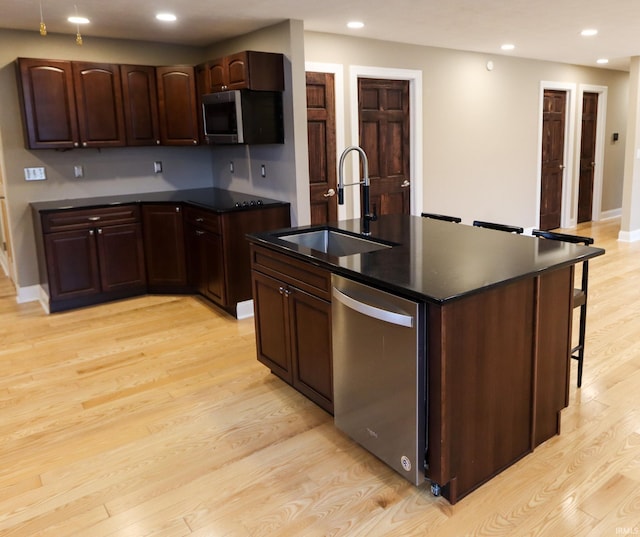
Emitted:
<point x="553" y="158"/>
<point x="587" y="156"/>
<point x="321" y="132"/>
<point x="384" y="126"/>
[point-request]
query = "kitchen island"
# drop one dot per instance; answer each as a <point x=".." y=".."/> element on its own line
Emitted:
<point x="497" y="331"/>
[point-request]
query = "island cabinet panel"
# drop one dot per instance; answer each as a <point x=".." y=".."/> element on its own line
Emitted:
<point x="178" y="110"/>
<point x="497" y="377"/>
<point x="164" y="247"/>
<point x="99" y="104"/>
<point x="140" y="97"/>
<point x="48" y="103"/>
<point x="263" y="71"/>
<point x="293" y="322"/>
<point x="93" y="255"/>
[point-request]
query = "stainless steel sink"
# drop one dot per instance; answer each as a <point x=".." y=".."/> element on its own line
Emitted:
<point x="334" y="242"/>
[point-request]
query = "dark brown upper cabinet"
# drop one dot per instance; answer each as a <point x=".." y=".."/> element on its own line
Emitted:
<point x="140" y="97"/>
<point x="263" y="71"/>
<point x="177" y="105"/>
<point x="99" y="104"/>
<point x="48" y="102"/>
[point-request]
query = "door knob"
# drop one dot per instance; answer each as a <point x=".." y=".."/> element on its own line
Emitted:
<point x="329" y="193"/>
<point x="561" y="166"/>
<point x="405" y="183"/>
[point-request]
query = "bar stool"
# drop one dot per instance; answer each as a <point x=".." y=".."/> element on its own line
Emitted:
<point x="444" y="217"/>
<point x="579" y="294"/>
<point x="499" y="227"/>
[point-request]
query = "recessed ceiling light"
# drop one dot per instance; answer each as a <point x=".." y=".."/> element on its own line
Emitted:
<point x="589" y="32"/>
<point x="78" y="20"/>
<point x="508" y="46"/>
<point x="354" y="25"/>
<point x="602" y="61"/>
<point x="167" y="17"/>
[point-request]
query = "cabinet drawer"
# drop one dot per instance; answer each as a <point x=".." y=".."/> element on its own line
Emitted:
<point x="305" y="276"/>
<point x="69" y="220"/>
<point x="204" y="219"/>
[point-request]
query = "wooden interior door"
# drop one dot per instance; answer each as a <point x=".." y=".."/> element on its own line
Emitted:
<point x="383" y="107"/>
<point x="553" y="125"/>
<point x="321" y="131"/>
<point x="587" y="156"/>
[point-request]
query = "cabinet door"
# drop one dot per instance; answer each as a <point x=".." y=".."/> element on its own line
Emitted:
<point x="49" y="107"/>
<point x="99" y="104"/>
<point x="311" y="354"/>
<point x="72" y="264"/>
<point x="206" y="263"/>
<point x="237" y="72"/>
<point x="216" y="75"/>
<point x="177" y="105"/>
<point x="121" y="257"/>
<point x="272" y="326"/>
<point x="213" y="267"/>
<point x="140" y="97"/>
<point x="164" y="247"/>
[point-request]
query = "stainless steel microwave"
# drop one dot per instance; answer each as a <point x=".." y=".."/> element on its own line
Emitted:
<point x="243" y="117"/>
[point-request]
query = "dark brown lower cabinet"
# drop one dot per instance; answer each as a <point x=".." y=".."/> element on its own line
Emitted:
<point x="293" y="322"/>
<point x="90" y="261"/>
<point x="164" y="247"/>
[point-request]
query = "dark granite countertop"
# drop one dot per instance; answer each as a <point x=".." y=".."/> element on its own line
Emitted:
<point x="214" y="199"/>
<point x="438" y="261"/>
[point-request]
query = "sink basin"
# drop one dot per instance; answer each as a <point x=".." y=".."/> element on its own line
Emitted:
<point x="334" y="242"/>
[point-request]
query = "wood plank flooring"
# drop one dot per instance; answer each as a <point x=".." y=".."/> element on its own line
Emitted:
<point x="152" y="417"/>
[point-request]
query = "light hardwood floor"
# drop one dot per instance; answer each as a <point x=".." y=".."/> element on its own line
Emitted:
<point x="152" y="417"/>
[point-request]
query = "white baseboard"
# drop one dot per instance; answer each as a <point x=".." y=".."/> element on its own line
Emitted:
<point x="629" y="236"/>
<point x="28" y="294"/>
<point x="608" y="215"/>
<point x="244" y="310"/>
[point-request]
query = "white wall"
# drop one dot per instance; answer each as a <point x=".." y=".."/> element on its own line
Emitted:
<point x="480" y="127"/>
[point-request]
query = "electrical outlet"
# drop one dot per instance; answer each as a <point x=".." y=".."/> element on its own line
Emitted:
<point x="263" y="170"/>
<point x="157" y="166"/>
<point x="35" y="174"/>
<point x="78" y="172"/>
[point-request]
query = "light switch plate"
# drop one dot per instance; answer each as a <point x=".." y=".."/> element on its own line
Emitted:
<point x="35" y="174"/>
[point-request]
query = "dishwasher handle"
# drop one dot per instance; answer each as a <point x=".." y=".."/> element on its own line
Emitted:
<point x="400" y="319"/>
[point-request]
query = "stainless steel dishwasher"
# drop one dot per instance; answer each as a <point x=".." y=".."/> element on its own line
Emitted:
<point x="379" y="374"/>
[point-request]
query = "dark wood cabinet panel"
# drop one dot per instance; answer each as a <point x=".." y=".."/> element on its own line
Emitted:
<point x="249" y="69"/>
<point x="165" y="259"/>
<point x="293" y="327"/>
<point x="272" y="328"/>
<point x="98" y="91"/>
<point x="311" y="352"/>
<point x="205" y="257"/>
<point x="140" y="98"/>
<point x="93" y="255"/>
<point x="48" y="102"/>
<point x="72" y="264"/>
<point x="121" y="258"/>
<point x="177" y="106"/>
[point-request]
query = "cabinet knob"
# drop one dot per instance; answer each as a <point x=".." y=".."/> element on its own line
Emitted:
<point x="84" y="144"/>
<point x="99" y="231"/>
<point x="91" y="232"/>
<point x="75" y="144"/>
<point x="195" y="142"/>
<point x="199" y="219"/>
<point x="199" y="232"/>
<point x="93" y="218"/>
<point x="157" y="142"/>
<point x="177" y="209"/>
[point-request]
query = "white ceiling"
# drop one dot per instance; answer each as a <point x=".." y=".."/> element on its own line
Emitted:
<point x="540" y="29"/>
